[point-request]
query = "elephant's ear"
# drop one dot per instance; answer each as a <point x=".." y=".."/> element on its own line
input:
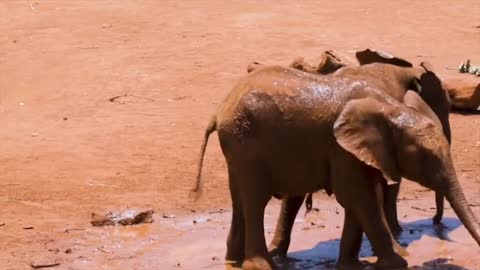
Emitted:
<point x="364" y="130"/>
<point x="436" y="96"/>
<point x="414" y="101"/>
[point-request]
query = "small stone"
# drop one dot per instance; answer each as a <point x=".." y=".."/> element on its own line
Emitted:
<point x="68" y="251"/>
<point x="106" y="25"/>
<point x="215" y="258"/>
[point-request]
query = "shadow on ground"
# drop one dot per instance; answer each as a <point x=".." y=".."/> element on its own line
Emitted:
<point x="466" y="112"/>
<point x="324" y="254"/>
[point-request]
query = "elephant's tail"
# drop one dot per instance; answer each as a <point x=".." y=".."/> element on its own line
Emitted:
<point x="212" y="126"/>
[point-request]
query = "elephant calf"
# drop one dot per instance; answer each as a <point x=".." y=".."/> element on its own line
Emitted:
<point x="284" y="131"/>
<point x="395" y="79"/>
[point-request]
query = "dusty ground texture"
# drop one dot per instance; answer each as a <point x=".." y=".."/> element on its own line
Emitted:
<point x="67" y="150"/>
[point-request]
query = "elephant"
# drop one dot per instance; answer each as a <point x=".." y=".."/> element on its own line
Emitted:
<point x="285" y="132"/>
<point x="396" y="82"/>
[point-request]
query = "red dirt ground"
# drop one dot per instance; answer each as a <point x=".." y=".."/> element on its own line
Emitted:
<point x="67" y="150"/>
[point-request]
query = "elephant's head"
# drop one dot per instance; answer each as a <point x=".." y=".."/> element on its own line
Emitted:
<point x="420" y="79"/>
<point x="404" y="140"/>
<point x="434" y="93"/>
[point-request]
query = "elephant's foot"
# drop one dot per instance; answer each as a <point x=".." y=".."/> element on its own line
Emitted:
<point x="353" y="264"/>
<point x="393" y="262"/>
<point x="258" y="263"/>
<point x="437" y="219"/>
<point x="397" y="248"/>
<point x="235" y="255"/>
<point x="395" y="227"/>
<point x="279" y="248"/>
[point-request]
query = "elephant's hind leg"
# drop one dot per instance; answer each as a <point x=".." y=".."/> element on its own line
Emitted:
<point x="390" y="206"/>
<point x="236" y="236"/>
<point x="281" y="239"/>
<point x="254" y="198"/>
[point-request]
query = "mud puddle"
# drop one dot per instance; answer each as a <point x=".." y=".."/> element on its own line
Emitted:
<point x="197" y="241"/>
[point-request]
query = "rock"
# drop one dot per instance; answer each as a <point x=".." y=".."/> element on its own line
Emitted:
<point x="43" y="265"/>
<point x="372" y="56"/>
<point x="300" y="64"/>
<point x="125" y="219"/>
<point x="464" y="92"/>
<point x="329" y="62"/>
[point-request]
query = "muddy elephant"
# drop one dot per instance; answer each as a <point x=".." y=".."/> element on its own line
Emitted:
<point x="395" y="81"/>
<point x="286" y="132"/>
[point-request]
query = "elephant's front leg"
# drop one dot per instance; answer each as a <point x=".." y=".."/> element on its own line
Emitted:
<point x="368" y="210"/>
<point x="439" y="200"/>
<point x="281" y="239"/>
<point x="390" y="206"/>
<point x="350" y="244"/>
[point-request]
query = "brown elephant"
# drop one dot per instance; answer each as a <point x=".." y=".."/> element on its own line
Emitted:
<point x="286" y="132"/>
<point x="396" y="82"/>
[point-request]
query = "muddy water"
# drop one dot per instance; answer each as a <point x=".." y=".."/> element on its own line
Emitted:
<point x="197" y="241"/>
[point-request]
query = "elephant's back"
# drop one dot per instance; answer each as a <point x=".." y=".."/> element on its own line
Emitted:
<point x="283" y="119"/>
<point x="284" y="98"/>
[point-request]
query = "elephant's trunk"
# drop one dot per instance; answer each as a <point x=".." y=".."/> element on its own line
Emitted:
<point x="457" y="200"/>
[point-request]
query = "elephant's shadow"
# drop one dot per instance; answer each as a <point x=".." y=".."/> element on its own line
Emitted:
<point x="324" y="254"/>
<point x="466" y="112"/>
